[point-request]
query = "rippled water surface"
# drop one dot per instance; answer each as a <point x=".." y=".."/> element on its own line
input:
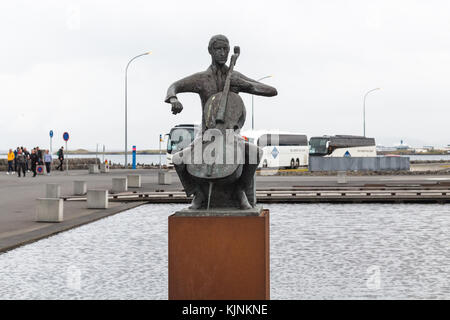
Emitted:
<point x="318" y="251"/>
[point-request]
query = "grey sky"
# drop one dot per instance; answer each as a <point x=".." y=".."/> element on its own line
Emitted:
<point x="62" y="67"/>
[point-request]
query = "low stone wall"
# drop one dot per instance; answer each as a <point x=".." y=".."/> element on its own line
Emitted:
<point x="359" y="164"/>
<point x="74" y="163"/>
<point x="350" y="173"/>
<point x="138" y="166"/>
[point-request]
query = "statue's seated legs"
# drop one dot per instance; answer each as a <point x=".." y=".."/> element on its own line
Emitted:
<point x="235" y="190"/>
<point x="198" y="200"/>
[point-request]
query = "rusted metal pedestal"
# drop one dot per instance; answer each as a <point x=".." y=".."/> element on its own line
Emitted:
<point x="219" y="257"/>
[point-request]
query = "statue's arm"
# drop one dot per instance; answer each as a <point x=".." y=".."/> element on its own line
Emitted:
<point x="188" y="84"/>
<point x="241" y="83"/>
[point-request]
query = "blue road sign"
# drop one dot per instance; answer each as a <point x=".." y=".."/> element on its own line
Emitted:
<point x="134" y="158"/>
<point x="66" y="136"/>
<point x="51" y="133"/>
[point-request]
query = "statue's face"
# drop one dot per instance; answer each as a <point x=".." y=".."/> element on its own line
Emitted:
<point x="219" y="52"/>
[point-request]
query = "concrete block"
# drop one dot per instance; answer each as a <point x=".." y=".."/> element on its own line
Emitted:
<point x="342" y="177"/>
<point x="52" y="190"/>
<point x="49" y="210"/>
<point x="134" y="181"/>
<point x="104" y="168"/>
<point x="164" y="177"/>
<point x="79" y="188"/>
<point x="119" y="185"/>
<point x="93" y="169"/>
<point x="97" y="199"/>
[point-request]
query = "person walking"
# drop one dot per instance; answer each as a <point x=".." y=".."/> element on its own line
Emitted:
<point x="26" y="153"/>
<point x="34" y="161"/>
<point x="15" y="158"/>
<point x="48" y="161"/>
<point x="60" y="158"/>
<point x="40" y="156"/>
<point x="21" y="163"/>
<point x="11" y="158"/>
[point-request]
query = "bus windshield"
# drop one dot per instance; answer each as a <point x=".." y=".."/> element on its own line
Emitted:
<point x="318" y="145"/>
<point x="179" y="138"/>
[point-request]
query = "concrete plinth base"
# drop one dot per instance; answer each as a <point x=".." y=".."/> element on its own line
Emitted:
<point x="342" y="177"/>
<point x="97" y="199"/>
<point x="49" y="210"/>
<point x="52" y="190"/>
<point x="256" y="211"/>
<point x="119" y="185"/>
<point x="104" y="168"/>
<point x="164" y="177"/>
<point x="93" y="169"/>
<point x="219" y="257"/>
<point x="134" y="181"/>
<point x="79" y="188"/>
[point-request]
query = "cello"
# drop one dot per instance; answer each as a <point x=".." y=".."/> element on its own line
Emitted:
<point x="223" y="110"/>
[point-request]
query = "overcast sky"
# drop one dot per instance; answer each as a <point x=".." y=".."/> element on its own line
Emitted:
<point x="62" y="67"/>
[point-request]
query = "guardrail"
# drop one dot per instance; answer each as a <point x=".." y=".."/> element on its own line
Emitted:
<point x="396" y="194"/>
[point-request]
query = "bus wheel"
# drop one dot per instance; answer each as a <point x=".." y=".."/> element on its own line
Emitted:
<point x="297" y="163"/>
<point x="292" y="163"/>
<point x="265" y="164"/>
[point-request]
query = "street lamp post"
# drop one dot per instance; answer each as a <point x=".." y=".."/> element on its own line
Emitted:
<point x="253" y="113"/>
<point x="126" y="110"/>
<point x="364" y="109"/>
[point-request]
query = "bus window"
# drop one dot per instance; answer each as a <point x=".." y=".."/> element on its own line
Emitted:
<point x="179" y="138"/>
<point x="169" y="144"/>
<point x="318" y="145"/>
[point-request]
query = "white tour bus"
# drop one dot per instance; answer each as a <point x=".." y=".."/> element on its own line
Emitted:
<point x="280" y="149"/>
<point x="179" y="138"/>
<point x="342" y="146"/>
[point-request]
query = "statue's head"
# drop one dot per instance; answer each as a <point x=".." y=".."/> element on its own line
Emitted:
<point x="218" y="48"/>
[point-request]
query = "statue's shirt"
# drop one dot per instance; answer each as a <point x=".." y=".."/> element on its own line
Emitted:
<point x="212" y="81"/>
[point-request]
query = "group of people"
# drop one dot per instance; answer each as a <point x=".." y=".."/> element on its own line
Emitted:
<point x="22" y="161"/>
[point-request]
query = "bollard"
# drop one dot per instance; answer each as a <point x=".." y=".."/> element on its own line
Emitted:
<point x="104" y="168"/>
<point x="97" y="199"/>
<point x="79" y="188"/>
<point x="53" y="190"/>
<point x="164" y="177"/>
<point x="119" y="185"/>
<point x="341" y="177"/>
<point x="93" y="169"/>
<point x="134" y="181"/>
<point x="49" y="210"/>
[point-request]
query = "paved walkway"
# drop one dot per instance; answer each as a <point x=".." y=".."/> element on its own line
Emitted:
<point x="18" y="201"/>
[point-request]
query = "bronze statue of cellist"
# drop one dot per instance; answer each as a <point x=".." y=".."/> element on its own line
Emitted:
<point x="207" y="84"/>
